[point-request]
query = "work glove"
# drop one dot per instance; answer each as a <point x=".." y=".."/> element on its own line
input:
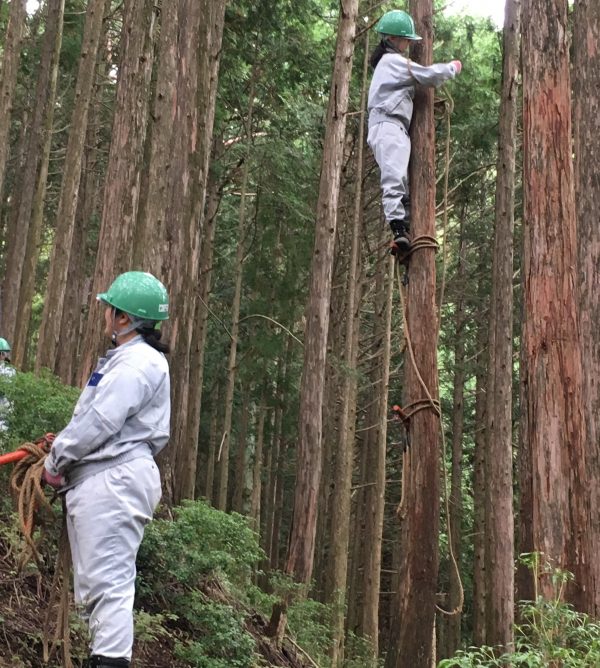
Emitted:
<point x="55" y="481"/>
<point x="458" y="65"/>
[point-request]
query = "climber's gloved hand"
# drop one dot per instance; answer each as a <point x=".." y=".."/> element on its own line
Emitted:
<point x="55" y="481"/>
<point x="458" y="65"/>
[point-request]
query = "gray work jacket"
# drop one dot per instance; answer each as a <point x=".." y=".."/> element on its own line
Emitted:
<point x="122" y="414"/>
<point x="393" y="87"/>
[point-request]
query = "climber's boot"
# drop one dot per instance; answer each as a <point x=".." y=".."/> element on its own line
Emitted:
<point x="401" y="243"/>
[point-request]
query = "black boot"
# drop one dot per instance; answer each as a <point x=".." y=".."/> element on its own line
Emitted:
<point x="96" y="661"/>
<point x="400" y="230"/>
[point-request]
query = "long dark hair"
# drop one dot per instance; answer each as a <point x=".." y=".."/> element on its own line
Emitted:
<point x="378" y="52"/>
<point x="151" y="336"/>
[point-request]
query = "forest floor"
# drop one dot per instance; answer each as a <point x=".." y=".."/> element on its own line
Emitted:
<point x="23" y="606"/>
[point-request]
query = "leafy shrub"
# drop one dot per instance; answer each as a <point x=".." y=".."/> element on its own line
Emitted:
<point x="220" y="639"/>
<point x="199" y="543"/>
<point x="38" y="404"/>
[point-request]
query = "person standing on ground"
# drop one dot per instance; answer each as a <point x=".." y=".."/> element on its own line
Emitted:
<point x="390" y="108"/>
<point x="104" y="462"/>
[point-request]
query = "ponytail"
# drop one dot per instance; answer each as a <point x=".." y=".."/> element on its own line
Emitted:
<point x="378" y="52"/>
<point x="151" y="336"/>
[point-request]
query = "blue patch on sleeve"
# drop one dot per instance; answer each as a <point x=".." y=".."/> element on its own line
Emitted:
<point x="95" y="378"/>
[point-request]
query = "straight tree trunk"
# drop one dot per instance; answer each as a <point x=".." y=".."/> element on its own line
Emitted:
<point x="122" y="181"/>
<point x="258" y="464"/>
<point x="341" y="506"/>
<point x="35" y="155"/>
<point x="479" y="497"/>
<point x="10" y="67"/>
<point x="235" y="309"/>
<point x="34" y="233"/>
<point x="308" y="467"/>
<point x="499" y="522"/>
<point x="57" y="285"/>
<point x="212" y="448"/>
<point x="554" y="429"/>
<point x="587" y="184"/>
<point x="189" y="474"/>
<point x="375" y="493"/>
<point x="453" y="623"/>
<point x="238" y="496"/>
<point x="420" y="526"/>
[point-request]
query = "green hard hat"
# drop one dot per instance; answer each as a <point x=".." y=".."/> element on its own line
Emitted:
<point x="139" y="294"/>
<point x="4" y="346"/>
<point x="397" y="23"/>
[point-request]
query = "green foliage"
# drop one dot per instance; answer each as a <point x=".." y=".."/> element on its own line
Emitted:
<point x="38" y="404"/>
<point x="220" y="639"/>
<point x="200" y="543"/>
<point x="551" y="633"/>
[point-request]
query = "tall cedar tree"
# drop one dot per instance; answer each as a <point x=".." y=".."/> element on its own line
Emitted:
<point x="555" y="508"/>
<point x="420" y="526"/>
<point x="499" y="549"/>
<point x="301" y="547"/>
<point x="57" y="285"/>
<point x="587" y="184"/>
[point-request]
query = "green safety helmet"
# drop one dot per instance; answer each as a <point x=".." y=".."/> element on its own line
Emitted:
<point x="4" y="346"/>
<point x="139" y="294"/>
<point x="397" y="23"/>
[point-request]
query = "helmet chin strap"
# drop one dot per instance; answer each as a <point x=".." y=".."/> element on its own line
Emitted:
<point x="134" y="324"/>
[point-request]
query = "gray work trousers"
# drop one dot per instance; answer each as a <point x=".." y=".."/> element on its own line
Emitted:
<point x="106" y="516"/>
<point x="390" y="144"/>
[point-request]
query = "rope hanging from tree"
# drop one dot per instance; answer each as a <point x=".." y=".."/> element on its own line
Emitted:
<point x="429" y="403"/>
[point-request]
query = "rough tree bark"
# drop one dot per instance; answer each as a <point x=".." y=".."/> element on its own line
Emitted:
<point x="420" y="526"/>
<point x="376" y="461"/>
<point x="586" y="108"/>
<point x="36" y="222"/>
<point x="453" y="623"/>
<point x="57" y="285"/>
<point x="122" y="182"/>
<point x="481" y="389"/>
<point x="340" y="508"/>
<point x="237" y="299"/>
<point x="35" y="155"/>
<point x="299" y="562"/>
<point x="558" y="521"/>
<point x="10" y="68"/>
<point x="499" y="522"/>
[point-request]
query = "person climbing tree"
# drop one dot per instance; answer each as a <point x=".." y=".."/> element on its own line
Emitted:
<point x="390" y="106"/>
<point x="104" y="461"/>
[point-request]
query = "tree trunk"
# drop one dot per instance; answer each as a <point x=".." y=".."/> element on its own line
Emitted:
<point x="238" y="497"/>
<point x="499" y="522"/>
<point x="420" y="526"/>
<point x="258" y="464"/>
<point x="189" y="475"/>
<point x="453" y="623"/>
<point x="235" y="308"/>
<point x="35" y="155"/>
<point x="552" y="375"/>
<point x="587" y="183"/>
<point x="122" y="181"/>
<point x="34" y="233"/>
<point x="212" y="448"/>
<point x="340" y="510"/>
<point x="57" y="286"/>
<point x="11" y="57"/>
<point x="308" y="467"/>
<point x="479" y="497"/>
<point x="375" y="493"/>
